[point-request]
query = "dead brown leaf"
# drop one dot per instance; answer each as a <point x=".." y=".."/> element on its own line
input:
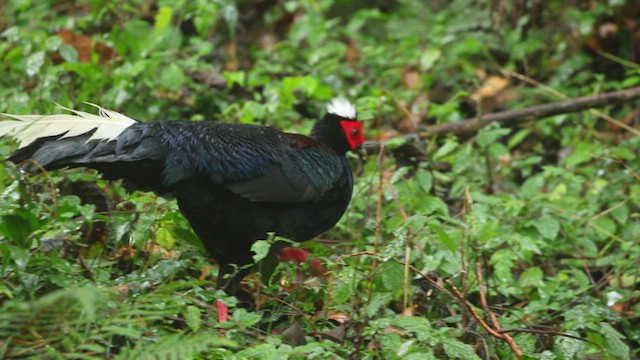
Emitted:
<point x="495" y="92"/>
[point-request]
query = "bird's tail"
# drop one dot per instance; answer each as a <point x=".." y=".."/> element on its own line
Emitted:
<point x="107" y="125"/>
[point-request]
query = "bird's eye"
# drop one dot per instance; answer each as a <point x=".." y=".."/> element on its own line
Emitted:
<point x="354" y="132"/>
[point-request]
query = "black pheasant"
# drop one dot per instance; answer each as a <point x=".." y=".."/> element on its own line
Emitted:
<point x="234" y="182"/>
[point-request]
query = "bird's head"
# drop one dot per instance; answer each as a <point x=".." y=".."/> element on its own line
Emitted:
<point x="339" y="129"/>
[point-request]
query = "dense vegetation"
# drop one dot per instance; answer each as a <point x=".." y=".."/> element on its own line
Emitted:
<point x="520" y="238"/>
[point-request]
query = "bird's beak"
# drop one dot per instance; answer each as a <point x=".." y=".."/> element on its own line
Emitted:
<point x="362" y="153"/>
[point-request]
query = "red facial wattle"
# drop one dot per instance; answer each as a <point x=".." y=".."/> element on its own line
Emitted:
<point x="353" y="130"/>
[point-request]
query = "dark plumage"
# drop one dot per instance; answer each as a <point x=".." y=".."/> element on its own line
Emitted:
<point x="233" y="182"/>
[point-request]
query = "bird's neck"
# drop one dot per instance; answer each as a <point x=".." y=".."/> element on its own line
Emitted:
<point x="329" y="133"/>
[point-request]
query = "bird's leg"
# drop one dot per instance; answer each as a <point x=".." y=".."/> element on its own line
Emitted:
<point x="229" y="278"/>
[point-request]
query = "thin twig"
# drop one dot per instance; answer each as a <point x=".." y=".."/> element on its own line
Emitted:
<point x="549" y="332"/>
<point x="297" y="310"/>
<point x="506" y="338"/>
<point x="429" y="280"/>
<point x="413" y="268"/>
<point x="483" y="297"/>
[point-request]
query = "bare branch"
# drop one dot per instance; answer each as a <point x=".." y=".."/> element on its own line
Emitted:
<point x="536" y="112"/>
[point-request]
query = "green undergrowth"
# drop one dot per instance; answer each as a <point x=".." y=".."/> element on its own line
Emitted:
<point x="515" y="239"/>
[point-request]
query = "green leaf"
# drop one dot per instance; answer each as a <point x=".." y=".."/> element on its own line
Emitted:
<point x="34" y="63"/>
<point x="548" y="226"/>
<point x="615" y="345"/>
<point x="420" y="326"/>
<point x="165" y="238"/>
<point x="581" y="153"/>
<point x="433" y="205"/>
<point x="531" y="277"/>
<point x="253" y="110"/>
<point x="69" y="53"/>
<point x="569" y="348"/>
<point x="377" y="302"/>
<point x="260" y="249"/>
<point x="458" y="350"/>
<point x="424" y="180"/>
<point x="391" y="276"/>
<point x="162" y="19"/>
<point x="230" y="15"/>
<point x="444" y="238"/>
<point x="172" y="77"/>
<point x="518" y="137"/>
<point x="53" y="43"/>
<point x="488" y="137"/>
<point x="345" y="285"/>
<point x="445" y="149"/>
<point x="193" y="317"/>
<point x="605" y="226"/>
<point x="187" y="234"/>
<point x="234" y="78"/>
<point x="244" y="318"/>
<point x="206" y="18"/>
<point x="429" y="58"/>
<point x="621" y="214"/>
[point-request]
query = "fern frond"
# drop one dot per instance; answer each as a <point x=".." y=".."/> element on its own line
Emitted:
<point x="178" y="346"/>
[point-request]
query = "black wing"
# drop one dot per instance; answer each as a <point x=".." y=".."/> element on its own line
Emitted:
<point x="255" y="162"/>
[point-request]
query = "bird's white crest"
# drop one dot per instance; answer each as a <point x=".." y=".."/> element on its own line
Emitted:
<point x="108" y="125"/>
<point x="342" y="107"/>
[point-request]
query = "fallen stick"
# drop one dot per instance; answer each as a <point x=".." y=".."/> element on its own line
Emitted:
<point x="472" y="125"/>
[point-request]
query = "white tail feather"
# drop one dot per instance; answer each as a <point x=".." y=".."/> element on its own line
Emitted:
<point x="108" y="125"/>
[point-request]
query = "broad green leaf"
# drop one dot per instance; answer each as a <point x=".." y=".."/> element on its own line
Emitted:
<point x="569" y="348"/>
<point x="518" y="137"/>
<point x="260" y="249"/>
<point x="531" y="277"/>
<point x="172" y="77"/>
<point x="420" y="326"/>
<point x="547" y="225"/>
<point x="230" y="15"/>
<point x="433" y="205"/>
<point x="206" y="18"/>
<point x="581" y="153"/>
<point x="377" y="302"/>
<point x="69" y="53"/>
<point x="234" y="78"/>
<point x="53" y="43"/>
<point x="605" y="227"/>
<point x="391" y="275"/>
<point x="34" y="63"/>
<point x="621" y="214"/>
<point x="429" y="58"/>
<point x="424" y="179"/>
<point x="444" y="238"/>
<point x="488" y="137"/>
<point x="558" y="192"/>
<point x="345" y="285"/>
<point x="459" y="350"/>
<point x="245" y="318"/>
<point x="165" y="238"/>
<point x="162" y="19"/>
<point x="193" y="317"/>
<point x="614" y="342"/>
<point x="187" y="234"/>
<point x="445" y="149"/>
